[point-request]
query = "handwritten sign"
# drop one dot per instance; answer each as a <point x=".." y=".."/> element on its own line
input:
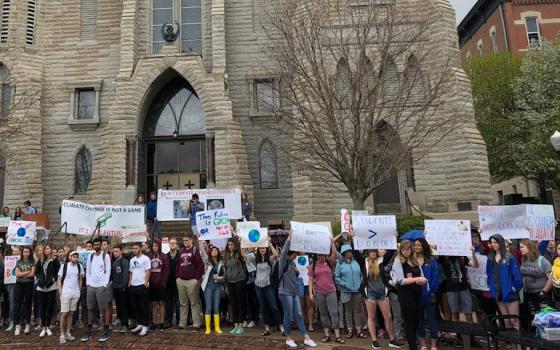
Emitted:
<point x="302" y="265"/>
<point x="478" y="279"/>
<point x="213" y="224"/>
<point x="134" y="233"/>
<point x="541" y="222"/>
<point x="220" y="243"/>
<point x="517" y="221"/>
<point x="21" y="233"/>
<point x="5" y="221"/>
<point x="254" y="237"/>
<point x="451" y="237"/>
<point x="10" y="262"/>
<point x="172" y="205"/>
<point x="375" y="232"/>
<point x="344" y="221"/>
<point x="247" y="225"/>
<point x="359" y="213"/>
<point x="83" y="257"/>
<point x="310" y="238"/>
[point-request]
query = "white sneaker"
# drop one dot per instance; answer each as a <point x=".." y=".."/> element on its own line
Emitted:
<point x="137" y="329"/>
<point x="43" y="333"/>
<point x="62" y="339"/>
<point x="310" y="343"/>
<point x="27" y="329"/>
<point x="244" y="324"/>
<point x="291" y="343"/>
<point x="18" y="330"/>
<point x="69" y="337"/>
<point x="49" y="332"/>
<point x="10" y="327"/>
<point x="251" y="324"/>
<point x="144" y="331"/>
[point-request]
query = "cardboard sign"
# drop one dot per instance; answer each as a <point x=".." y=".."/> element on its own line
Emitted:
<point x="21" y="233"/>
<point x="375" y="232"/>
<point x="302" y="265"/>
<point x="213" y="224"/>
<point x="172" y="205"/>
<point x="478" y="279"/>
<point x="134" y="233"/>
<point x="254" y="237"/>
<point x="344" y="221"/>
<point x="451" y="237"/>
<point x="310" y="238"/>
<point x="10" y="262"/>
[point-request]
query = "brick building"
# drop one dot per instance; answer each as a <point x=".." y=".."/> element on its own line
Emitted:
<point x="512" y="25"/>
<point x="122" y="112"/>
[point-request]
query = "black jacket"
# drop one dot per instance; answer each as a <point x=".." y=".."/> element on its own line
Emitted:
<point x="48" y="279"/>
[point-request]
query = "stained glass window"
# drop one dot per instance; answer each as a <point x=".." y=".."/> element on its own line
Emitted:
<point x="268" y="166"/>
<point x="83" y="170"/>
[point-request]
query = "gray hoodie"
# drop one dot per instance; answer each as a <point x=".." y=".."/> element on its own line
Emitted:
<point x="288" y="279"/>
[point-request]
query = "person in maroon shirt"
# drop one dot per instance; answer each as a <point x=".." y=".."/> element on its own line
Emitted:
<point x="189" y="270"/>
<point x="159" y="273"/>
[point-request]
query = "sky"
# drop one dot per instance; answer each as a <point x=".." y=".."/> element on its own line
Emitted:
<point x="462" y="7"/>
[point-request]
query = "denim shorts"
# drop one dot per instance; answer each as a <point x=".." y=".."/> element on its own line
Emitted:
<point x="375" y="296"/>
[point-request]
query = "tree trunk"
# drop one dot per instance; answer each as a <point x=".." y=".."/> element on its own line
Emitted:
<point x="358" y="201"/>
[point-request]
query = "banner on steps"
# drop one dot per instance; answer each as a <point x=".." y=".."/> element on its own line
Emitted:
<point x="174" y="205"/>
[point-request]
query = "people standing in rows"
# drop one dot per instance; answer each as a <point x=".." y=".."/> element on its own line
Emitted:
<point x="69" y="282"/>
<point x="322" y="289"/>
<point x="99" y="291"/>
<point x="18" y="214"/>
<point x="5" y="212"/>
<point x="430" y="270"/>
<point x="348" y="276"/>
<point x="288" y="294"/>
<point x="553" y="284"/>
<point x="550" y="251"/>
<point x="246" y="207"/>
<point x="138" y="283"/>
<point x="408" y="275"/>
<point x="235" y="275"/>
<point x="23" y="294"/>
<point x="28" y="209"/>
<point x="212" y="288"/>
<point x="194" y="207"/>
<point x="189" y="270"/>
<point x="159" y="274"/>
<point x="47" y="268"/>
<point x="140" y="200"/>
<point x="119" y="273"/>
<point x="172" y="295"/>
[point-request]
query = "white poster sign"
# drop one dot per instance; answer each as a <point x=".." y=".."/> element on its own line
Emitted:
<point x="451" y="237"/>
<point x="359" y="213"/>
<point x="10" y="262"/>
<point x="173" y="205"/>
<point x="134" y="233"/>
<point x="5" y="221"/>
<point x="213" y="224"/>
<point x="302" y="264"/>
<point x="84" y="257"/>
<point x="310" y="238"/>
<point x="478" y="279"/>
<point x="541" y="222"/>
<point x="532" y="221"/>
<point x="220" y="243"/>
<point x="165" y="248"/>
<point x="247" y="225"/>
<point x="344" y="220"/>
<point x="21" y="233"/>
<point x="82" y="218"/>
<point x="375" y="232"/>
<point x="254" y="237"/>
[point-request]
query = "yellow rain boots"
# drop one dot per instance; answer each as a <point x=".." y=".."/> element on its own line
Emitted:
<point x="217" y="324"/>
<point x="207" y="321"/>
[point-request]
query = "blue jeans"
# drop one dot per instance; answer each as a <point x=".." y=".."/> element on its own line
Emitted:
<point x="430" y="314"/>
<point x="291" y="306"/>
<point x="212" y="295"/>
<point x="269" y="309"/>
<point x="172" y="305"/>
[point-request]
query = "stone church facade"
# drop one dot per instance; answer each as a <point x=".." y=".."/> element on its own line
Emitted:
<point x="120" y="112"/>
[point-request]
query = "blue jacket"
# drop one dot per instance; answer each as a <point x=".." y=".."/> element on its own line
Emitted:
<point x="509" y="275"/>
<point x="431" y="272"/>
<point x="151" y="209"/>
<point x="348" y="275"/>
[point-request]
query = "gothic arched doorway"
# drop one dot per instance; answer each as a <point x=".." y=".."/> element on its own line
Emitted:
<point x="173" y="151"/>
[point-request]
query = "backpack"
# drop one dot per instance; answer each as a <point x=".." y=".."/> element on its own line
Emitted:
<point x="104" y="263"/>
<point x="276" y="276"/>
<point x="64" y="272"/>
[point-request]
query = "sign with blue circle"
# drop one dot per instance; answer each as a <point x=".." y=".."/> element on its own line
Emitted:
<point x="254" y="236"/>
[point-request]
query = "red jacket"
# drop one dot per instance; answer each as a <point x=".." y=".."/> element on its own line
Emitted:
<point x="160" y="269"/>
<point x="189" y="264"/>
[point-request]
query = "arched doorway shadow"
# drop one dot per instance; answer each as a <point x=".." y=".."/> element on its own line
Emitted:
<point x="172" y="152"/>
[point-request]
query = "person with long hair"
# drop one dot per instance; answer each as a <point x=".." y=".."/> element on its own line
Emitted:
<point x="430" y="270"/>
<point x="408" y="275"/>
<point x="25" y="273"/>
<point x="322" y="286"/>
<point x="504" y="279"/>
<point x="47" y="271"/>
<point x="235" y="276"/>
<point x="212" y="288"/>
<point x="158" y="278"/>
<point x="553" y="283"/>
<point x="18" y="214"/>
<point x="535" y="272"/>
<point x="376" y="294"/>
<point x="265" y="260"/>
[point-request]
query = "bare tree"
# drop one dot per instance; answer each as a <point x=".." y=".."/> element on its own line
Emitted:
<point x="15" y="106"/>
<point x="361" y="94"/>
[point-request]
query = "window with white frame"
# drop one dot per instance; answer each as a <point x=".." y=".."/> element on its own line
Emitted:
<point x="85" y="103"/>
<point x="533" y="32"/>
<point x="188" y="13"/>
<point x="264" y="96"/>
<point x="31" y="21"/>
<point x="84" y="99"/>
<point x="494" y="41"/>
<point x="5" y="20"/>
<point x="162" y="13"/>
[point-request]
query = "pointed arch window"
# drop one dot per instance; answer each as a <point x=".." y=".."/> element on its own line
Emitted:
<point x="83" y="170"/>
<point x="417" y="85"/>
<point x="343" y="79"/>
<point x="268" y="166"/>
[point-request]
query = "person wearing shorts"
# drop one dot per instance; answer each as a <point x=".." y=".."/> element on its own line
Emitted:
<point x="70" y="278"/>
<point x="159" y="272"/>
<point x="99" y="290"/>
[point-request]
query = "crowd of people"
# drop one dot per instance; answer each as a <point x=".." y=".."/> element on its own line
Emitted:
<point x="372" y="294"/>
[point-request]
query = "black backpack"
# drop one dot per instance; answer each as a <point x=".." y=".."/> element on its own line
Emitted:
<point x="276" y="276"/>
<point x="104" y="262"/>
<point x="64" y="272"/>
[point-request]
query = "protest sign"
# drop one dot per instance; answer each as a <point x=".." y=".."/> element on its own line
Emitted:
<point x="532" y="221"/>
<point x="173" y="205"/>
<point x="21" y="233"/>
<point x="302" y="265"/>
<point x="326" y="224"/>
<point x="220" y="243"/>
<point x="310" y="238"/>
<point x="254" y="237"/>
<point x="541" y="222"/>
<point x="375" y="232"/>
<point x="359" y="213"/>
<point x="84" y="257"/>
<point x="134" y="233"/>
<point x="247" y="225"/>
<point x="213" y="224"/>
<point x="478" y="279"/>
<point x="344" y="221"/>
<point x="165" y="248"/>
<point x="10" y="262"/>
<point x="82" y="218"/>
<point x="451" y="237"/>
<point x="5" y="221"/>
